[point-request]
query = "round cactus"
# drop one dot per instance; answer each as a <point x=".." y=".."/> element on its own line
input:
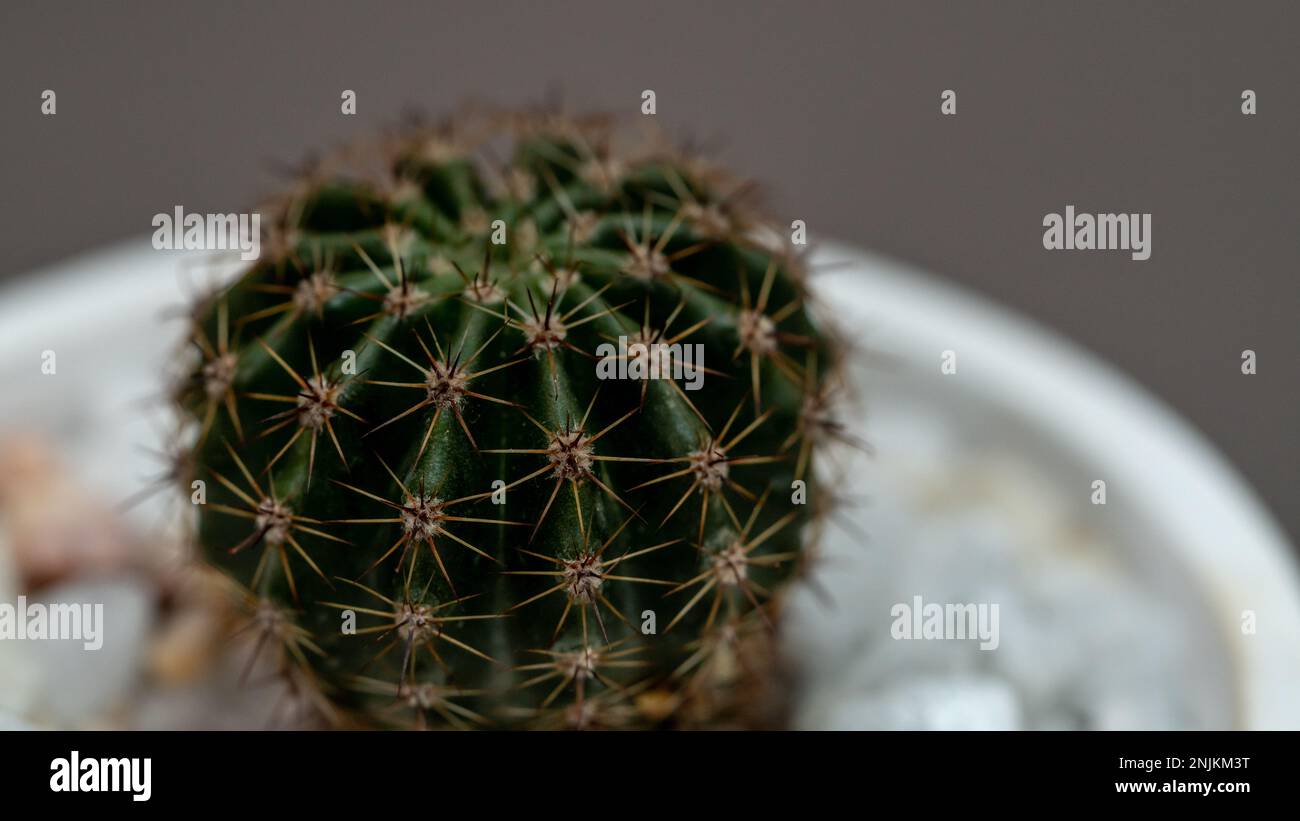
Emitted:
<point x="513" y="446"/>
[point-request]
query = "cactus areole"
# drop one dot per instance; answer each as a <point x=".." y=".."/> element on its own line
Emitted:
<point x="520" y="446"/>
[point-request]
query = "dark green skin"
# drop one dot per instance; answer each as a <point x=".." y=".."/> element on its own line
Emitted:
<point x="338" y="218"/>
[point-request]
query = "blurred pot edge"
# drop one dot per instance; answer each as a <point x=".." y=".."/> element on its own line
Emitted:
<point x="1096" y="412"/>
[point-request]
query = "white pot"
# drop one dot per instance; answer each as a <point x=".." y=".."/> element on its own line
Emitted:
<point x="1174" y="503"/>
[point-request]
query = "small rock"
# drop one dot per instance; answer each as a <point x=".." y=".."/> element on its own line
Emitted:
<point x="78" y="687"/>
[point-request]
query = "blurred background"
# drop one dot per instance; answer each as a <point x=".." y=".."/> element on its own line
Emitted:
<point x="834" y="107"/>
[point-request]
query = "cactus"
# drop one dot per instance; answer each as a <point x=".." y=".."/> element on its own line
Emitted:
<point x="438" y="510"/>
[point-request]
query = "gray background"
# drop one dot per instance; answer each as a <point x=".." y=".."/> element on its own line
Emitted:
<point x="1108" y="106"/>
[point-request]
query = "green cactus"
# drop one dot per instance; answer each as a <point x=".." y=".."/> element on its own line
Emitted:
<point x="404" y="428"/>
